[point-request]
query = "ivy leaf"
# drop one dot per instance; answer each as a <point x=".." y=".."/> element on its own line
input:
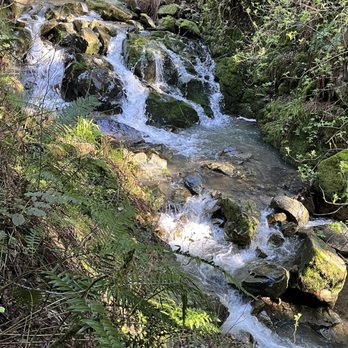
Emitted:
<point x="18" y="219"/>
<point x="36" y="212"/>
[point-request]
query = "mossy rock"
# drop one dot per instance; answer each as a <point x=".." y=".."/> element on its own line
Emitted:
<point x="322" y="272"/>
<point x="92" y="39"/>
<point x="197" y="91"/>
<point x="230" y="75"/>
<point x="90" y="76"/>
<point x="111" y="12"/>
<point x="332" y="176"/>
<point x="168" y="10"/>
<point x="187" y="27"/>
<point x="241" y="221"/>
<point x="168" y="23"/>
<point x="166" y="111"/>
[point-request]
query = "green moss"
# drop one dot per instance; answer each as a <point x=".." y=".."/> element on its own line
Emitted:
<point x="168" y="23"/>
<point x="337" y="226"/>
<point x="332" y="176"/>
<point x="187" y="26"/>
<point x="169" y="10"/>
<point x="322" y="273"/>
<point x="165" y="111"/>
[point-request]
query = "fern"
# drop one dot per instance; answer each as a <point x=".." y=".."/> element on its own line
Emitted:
<point x="33" y="240"/>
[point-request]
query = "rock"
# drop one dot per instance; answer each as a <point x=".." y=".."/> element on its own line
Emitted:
<point x="75" y="43"/>
<point x="147" y="20"/>
<point x="92" y="39"/>
<point x="55" y="32"/>
<point x="168" y="23"/>
<point x="322" y="272"/>
<point x="187" y="27"/>
<point x="332" y="181"/>
<point x="277" y="217"/>
<point x="334" y="234"/>
<point x="198" y="92"/>
<point x="80" y="24"/>
<point x="223" y="168"/>
<point x="166" y="111"/>
<point x="294" y="209"/>
<point x="62" y="12"/>
<point x="168" y="10"/>
<point x="120" y="132"/>
<point x="92" y="76"/>
<point x="260" y="254"/>
<point x="263" y="278"/>
<point x="241" y="221"/>
<point x="153" y="165"/>
<point x="276" y="239"/>
<point x="47" y="27"/>
<point x="111" y="12"/>
<point x="194" y="183"/>
<point x="104" y="39"/>
<point x="232" y="153"/>
<point x="138" y="26"/>
<point x="289" y="229"/>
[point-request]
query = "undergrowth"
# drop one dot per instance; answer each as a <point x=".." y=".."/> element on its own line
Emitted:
<point x="80" y="264"/>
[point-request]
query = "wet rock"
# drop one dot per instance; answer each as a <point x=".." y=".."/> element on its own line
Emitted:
<point x="241" y="221"/>
<point x="289" y="229"/>
<point x="223" y="168"/>
<point x="187" y="27"/>
<point x="334" y="234"/>
<point x="74" y="43"/>
<point x="63" y="12"/>
<point x="166" y="111"/>
<point x="168" y="10"/>
<point x="294" y="209"/>
<point x="147" y="20"/>
<point x="55" y="32"/>
<point x="198" y="92"/>
<point x="276" y="239"/>
<point x="232" y="153"/>
<point x="277" y="217"/>
<point x="194" y="183"/>
<point x="322" y="272"/>
<point x="263" y="278"/>
<point x="121" y="133"/>
<point x="104" y="39"/>
<point x="332" y="182"/>
<point x="47" y="27"/>
<point x="80" y="24"/>
<point x="111" y="12"/>
<point x="92" y="39"/>
<point x="138" y="26"/>
<point x="92" y="76"/>
<point x="260" y="254"/>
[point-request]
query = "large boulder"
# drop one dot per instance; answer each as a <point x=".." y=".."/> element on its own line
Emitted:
<point x="166" y="111"/>
<point x="241" y="221"/>
<point x="332" y="182"/>
<point x="322" y="272"/>
<point x="263" y="278"/>
<point x="92" y="39"/>
<point x="92" y="76"/>
<point x="294" y="210"/>
<point x="334" y="234"/>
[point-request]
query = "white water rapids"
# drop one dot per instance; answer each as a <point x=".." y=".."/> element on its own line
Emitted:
<point x="191" y="229"/>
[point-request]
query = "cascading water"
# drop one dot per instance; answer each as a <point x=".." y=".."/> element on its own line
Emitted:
<point x="191" y="229"/>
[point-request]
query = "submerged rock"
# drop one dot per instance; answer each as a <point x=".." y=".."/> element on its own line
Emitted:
<point x="166" y="111"/>
<point x="92" y="76"/>
<point x="241" y="221"/>
<point x="168" y="10"/>
<point x="294" y="209"/>
<point x="322" y="272"/>
<point x="223" y="168"/>
<point x="263" y="278"/>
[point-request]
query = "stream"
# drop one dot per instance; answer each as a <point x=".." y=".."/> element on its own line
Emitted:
<point x="190" y="227"/>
